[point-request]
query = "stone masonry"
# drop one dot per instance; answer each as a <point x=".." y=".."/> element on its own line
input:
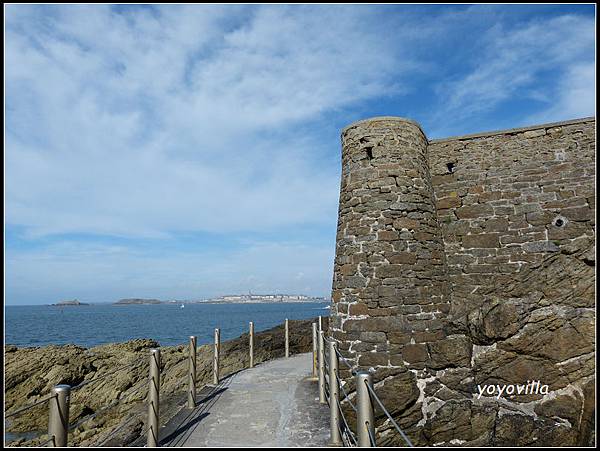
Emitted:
<point x="469" y="262"/>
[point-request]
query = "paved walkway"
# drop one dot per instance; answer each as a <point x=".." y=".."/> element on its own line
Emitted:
<point x="272" y="404"/>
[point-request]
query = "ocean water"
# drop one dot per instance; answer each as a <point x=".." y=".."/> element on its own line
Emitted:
<point x="169" y="324"/>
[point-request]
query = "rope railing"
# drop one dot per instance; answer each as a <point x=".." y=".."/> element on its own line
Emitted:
<point x="51" y="439"/>
<point x="91" y="416"/>
<point x="374" y="395"/>
<point x="346" y="396"/>
<point x="345" y="362"/>
<point x="104" y="376"/>
<point x="30" y="406"/>
<point x="371" y="435"/>
<point x="363" y="407"/>
<point x="118" y="429"/>
<point x="346" y="427"/>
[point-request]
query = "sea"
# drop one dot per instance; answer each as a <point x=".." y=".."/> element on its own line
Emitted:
<point x="169" y="324"/>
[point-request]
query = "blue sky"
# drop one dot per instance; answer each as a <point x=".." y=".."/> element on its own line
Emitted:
<point x="184" y="152"/>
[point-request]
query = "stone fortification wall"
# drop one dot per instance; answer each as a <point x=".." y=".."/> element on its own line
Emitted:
<point x="465" y="263"/>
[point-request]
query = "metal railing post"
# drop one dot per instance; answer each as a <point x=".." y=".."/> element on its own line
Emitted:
<point x="192" y="374"/>
<point x="322" y="398"/>
<point x="334" y="396"/>
<point x="314" y="363"/>
<point x="365" y="424"/>
<point x="320" y="324"/>
<point x="216" y="356"/>
<point x="251" y="344"/>
<point x="153" y="398"/>
<point x="287" y="338"/>
<point x="58" y="420"/>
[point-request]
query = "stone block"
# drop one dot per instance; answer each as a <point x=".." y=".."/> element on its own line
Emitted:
<point x="373" y="337"/>
<point x="399" y="337"/>
<point x="358" y="309"/>
<point x="474" y="211"/>
<point x="405" y="223"/>
<point x="386" y="271"/>
<point x="540" y="246"/>
<point x="450" y="352"/>
<point x="387" y="235"/>
<point x="402" y="258"/>
<point x="415" y="353"/>
<point x="448" y="202"/>
<point x="482" y="240"/>
<point x="373" y="359"/>
<point x="578" y="214"/>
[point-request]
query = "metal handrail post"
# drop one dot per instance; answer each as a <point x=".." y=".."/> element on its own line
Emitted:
<point x="192" y="374"/>
<point x="322" y="398"/>
<point x="314" y="363"/>
<point x="334" y="397"/>
<point x="365" y="424"/>
<point x="58" y="415"/>
<point x="287" y="338"/>
<point x="217" y="350"/>
<point x="154" y="399"/>
<point x="251" y="344"/>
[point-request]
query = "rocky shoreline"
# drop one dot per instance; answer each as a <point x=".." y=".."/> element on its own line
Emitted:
<point x="116" y="400"/>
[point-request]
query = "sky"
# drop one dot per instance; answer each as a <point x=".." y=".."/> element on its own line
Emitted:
<point x="191" y="151"/>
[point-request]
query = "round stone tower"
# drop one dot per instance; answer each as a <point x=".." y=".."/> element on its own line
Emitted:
<point x="390" y="299"/>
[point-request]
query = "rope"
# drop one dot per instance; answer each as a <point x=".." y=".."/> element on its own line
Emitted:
<point x="352" y="371"/>
<point x="93" y="415"/>
<point x="346" y="396"/>
<point x="112" y="404"/>
<point x="51" y="439"/>
<point x="344" y="435"/>
<point x="327" y="393"/>
<point x="351" y="434"/>
<point x="91" y="381"/>
<point x="374" y="395"/>
<point x="115" y="402"/>
<point x="371" y="438"/>
<point x="142" y="385"/>
<point x="113" y="433"/>
<point x="341" y="432"/>
<point x="23" y="409"/>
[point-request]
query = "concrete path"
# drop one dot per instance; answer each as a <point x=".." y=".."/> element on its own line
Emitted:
<point x="272" y="404"/>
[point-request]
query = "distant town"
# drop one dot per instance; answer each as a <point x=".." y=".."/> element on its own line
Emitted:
<point x="258" y="298"/>
<point x="232" y="299"/>
<point x="228" y="299"/>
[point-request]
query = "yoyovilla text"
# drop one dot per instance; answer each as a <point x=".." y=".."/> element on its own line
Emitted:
<point x="530" y="388"/>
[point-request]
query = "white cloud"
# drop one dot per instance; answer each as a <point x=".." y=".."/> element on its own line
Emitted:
<point x="524" y="62"/>
<point x="162" y="120"/>
<point x="575" y="96"/>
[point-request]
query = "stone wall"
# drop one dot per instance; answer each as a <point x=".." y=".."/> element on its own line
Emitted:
<point x="468" y="262"/>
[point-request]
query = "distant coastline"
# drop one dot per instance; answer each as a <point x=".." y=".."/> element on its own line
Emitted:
<point x="137" y="301"/>
<point x="231" y="299"/>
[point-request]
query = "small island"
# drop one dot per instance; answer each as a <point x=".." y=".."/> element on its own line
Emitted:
<point x="137" y="301"/>
<point x="69" y="303"/>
